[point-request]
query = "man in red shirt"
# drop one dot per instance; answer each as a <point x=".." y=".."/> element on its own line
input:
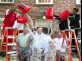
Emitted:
<point x="10" y="18"/>
<point x="9" y="21"/>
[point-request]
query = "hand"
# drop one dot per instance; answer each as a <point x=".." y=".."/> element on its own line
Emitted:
<point x="69" y="16"/>
<point x="19" y="49"/>
<point x="54" y="17"/>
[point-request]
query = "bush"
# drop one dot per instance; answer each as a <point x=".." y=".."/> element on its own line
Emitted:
<point x="3" y="54"/>
<point x="80" y="48"/>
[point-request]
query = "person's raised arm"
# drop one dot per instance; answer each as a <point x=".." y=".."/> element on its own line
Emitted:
<point x="75" y="19"/>
<point x="13" y="8"/>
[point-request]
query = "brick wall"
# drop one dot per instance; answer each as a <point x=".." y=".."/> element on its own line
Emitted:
<point x="57" y="5"/>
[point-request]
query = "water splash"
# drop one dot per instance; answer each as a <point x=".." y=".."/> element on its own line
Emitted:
<point x="30" y="20"/>
<point x="30" y="32"/>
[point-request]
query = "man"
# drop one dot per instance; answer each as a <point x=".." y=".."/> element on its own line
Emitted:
<point x="40" y="42"/>
<point x="21" y="21"/>
<point x="9" y="20"/>
<point x="59" y="41"/>
<point x="23" y="40"/>
<point x="63" y="24"/>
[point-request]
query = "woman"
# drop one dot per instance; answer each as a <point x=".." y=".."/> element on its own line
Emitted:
<point x="74" y="20"/>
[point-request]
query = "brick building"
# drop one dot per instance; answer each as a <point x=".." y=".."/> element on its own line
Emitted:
<point x="39" y="7"/>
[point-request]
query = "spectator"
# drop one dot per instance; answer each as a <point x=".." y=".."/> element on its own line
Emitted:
<point x="23" y="40"/>
<point x="40" y="42"/>
<point x="59" y="41"/>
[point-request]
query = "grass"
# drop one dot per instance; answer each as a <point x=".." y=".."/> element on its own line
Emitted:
<point x="13" y="58"/>
<point x="75" y="59"/>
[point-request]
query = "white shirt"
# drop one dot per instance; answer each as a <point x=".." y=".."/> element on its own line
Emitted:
<point x="19" y="26"/>
<point x="59" y="44"/>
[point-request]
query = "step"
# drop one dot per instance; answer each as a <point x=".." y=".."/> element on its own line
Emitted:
<point x="65" y="47"/>
<point x="11" y="37"/>
<point x="10" y="28"/>
<point x="12" y="52"/>
<point x="13" y="60"/>
<point x="77" y="38"/>
<point x="69" y="30"/>
<point x="77" y="28"/>
<point x="73" y="49"/>
<point x="12" y="44"/>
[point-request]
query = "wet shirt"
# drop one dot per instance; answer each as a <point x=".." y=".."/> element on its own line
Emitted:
<point x="59" y="44"/>
<point x="22" y="39"/>
<point x="40" y="41"/>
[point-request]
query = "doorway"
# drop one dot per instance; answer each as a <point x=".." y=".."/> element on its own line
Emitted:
<point x="45" y="24"/>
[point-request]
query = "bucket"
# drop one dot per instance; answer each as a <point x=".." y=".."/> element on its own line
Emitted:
<point x="50" y="14"/>
<point x="24" y="8"/>
<point x="64" y="15"/>
<point x="22" y="20"/>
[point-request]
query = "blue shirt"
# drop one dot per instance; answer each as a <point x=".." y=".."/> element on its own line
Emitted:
<point x="40" y="42"/>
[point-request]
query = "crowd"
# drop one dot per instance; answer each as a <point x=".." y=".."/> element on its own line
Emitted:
<point x="40" y="41"/>
<point x="37" y="40"/>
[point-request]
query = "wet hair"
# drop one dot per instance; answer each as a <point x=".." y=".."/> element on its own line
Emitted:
<point x="52" y="36"/>
<point x="41" y="29"/>
<point x="34" y="29"/>
<point x="76" y="9"/>
<point x="22" y="12"/>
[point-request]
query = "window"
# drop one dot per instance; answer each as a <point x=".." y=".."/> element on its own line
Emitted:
<point x="78" y="2"/>
<point x="44" y="2"/>
<point x="6" y="1"/>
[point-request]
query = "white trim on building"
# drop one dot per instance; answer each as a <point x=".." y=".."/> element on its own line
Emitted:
<point x="78" y="2"/>
<point x="44" y="3"/>
<point x="6" y="1"/>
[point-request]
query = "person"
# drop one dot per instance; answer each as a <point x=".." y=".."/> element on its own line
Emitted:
<point x="40" y="42"/>
<point x="74" y="20"/>
<point x="21" y="24"/>
<point x="34" y="30"/>
<point x="52" y="50"/>
<point x="9" y="21"/>
<point x="10" y="18"/>
<point x="63" y="24"/>
<point x="58" y="42"/>
<point x="23" y="43"/>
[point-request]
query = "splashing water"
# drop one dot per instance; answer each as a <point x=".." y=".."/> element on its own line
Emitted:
<point x="30" y="32"/>
<point x="30" y="20"/>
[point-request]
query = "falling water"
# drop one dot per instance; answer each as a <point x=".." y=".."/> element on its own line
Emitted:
<point x="55" y="26"/>
<point x="31" y="21"/>
<point x="69" y="28"/>
<point x="31" y="33"/>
